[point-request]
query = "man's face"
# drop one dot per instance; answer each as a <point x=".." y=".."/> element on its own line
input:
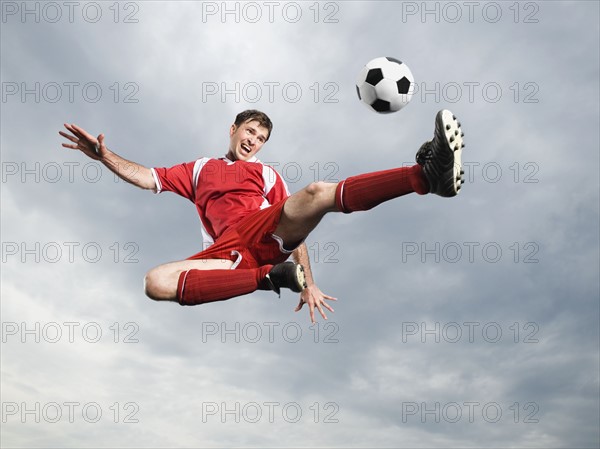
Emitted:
<point x="246" y="140"/>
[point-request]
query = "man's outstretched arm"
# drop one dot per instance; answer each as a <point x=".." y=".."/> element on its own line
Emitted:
<point x="312" y="294"/>
<point x="95" y="148"/>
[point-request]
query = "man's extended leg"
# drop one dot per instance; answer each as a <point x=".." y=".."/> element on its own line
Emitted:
<point x="438" y="171"/>
<point x="305" y="209"/>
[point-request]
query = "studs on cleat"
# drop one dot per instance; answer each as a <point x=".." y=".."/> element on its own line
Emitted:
<point x="462" y="134"/>
<point x="441" y="158"/>
<point x="463" y="145"/>
<point x="288" y="275"/>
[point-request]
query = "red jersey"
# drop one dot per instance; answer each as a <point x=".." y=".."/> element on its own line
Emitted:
<point x="223" y="191"/>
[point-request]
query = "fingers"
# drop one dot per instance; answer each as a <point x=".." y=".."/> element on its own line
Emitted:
<point x="315" y="301"/>
<point x="322" y="313"/>
<point x="316" y="304"/>
<point x="82" y="132"/>
<point x="71" y="138"/>
<point x="72" y="129"/>
<point x="100" y="144"/>
<point x="83" y="141"/>
<point x="67" y="136"/>
<point x="76" y="136"/>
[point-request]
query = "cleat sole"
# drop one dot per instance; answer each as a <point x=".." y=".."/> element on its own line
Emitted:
<point x="300" y="277"/>
<point x="454" y="138"/>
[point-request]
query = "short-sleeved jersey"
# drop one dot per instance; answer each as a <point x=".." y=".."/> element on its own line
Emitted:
<point x="223" y="191"/>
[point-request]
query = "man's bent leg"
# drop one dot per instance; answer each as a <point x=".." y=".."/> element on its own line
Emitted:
<point x="161" y="282"/>
<point x="192" y="282"/>
<point x="202" y="286"/>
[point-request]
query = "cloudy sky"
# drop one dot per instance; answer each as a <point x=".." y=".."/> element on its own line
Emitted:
<point x="465" y="322"/>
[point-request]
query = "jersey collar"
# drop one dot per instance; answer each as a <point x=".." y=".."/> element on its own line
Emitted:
<point x="252" y="159"/>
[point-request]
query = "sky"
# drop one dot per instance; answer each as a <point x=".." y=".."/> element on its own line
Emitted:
<point x="463" y="322"/>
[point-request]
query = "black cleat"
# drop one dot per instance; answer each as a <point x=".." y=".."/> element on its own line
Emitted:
<point x="287" y="275"/>
<point x="441" y="157"/>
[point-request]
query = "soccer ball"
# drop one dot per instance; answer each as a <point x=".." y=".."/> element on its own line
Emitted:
<point x="385" y="85"/>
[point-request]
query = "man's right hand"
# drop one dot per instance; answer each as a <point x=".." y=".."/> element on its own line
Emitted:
<point x="83" y="141"/>
<point x="94" y="147"/>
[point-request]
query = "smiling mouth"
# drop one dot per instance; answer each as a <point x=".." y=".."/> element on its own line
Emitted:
<point x="246" y="149"/>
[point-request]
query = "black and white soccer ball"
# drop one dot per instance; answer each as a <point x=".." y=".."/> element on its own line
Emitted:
<point x="385" y="85"/>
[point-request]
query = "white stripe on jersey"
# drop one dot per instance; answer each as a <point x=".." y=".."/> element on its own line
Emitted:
<point x="158" y="188"/>
<point x="270" y="176"/>
<point x="198" y="166"/>
<point x="207" y="239"/>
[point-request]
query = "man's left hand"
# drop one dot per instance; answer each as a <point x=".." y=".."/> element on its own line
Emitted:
<point x="315" y="298"/>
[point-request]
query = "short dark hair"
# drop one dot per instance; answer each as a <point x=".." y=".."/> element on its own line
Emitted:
<point x="253" y="114"/>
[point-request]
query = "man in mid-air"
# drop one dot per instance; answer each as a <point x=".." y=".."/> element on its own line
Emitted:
<point x="251" y="224"/>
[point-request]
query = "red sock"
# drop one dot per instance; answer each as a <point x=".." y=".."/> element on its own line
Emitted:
<point x="364" y="192"/>
<point x="200" y="286"/>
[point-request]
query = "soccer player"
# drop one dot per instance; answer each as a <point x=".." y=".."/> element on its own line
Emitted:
<point x="251" y="224"/>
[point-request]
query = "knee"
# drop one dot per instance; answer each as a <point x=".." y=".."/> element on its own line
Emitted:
<point x="322" y="194"/>
<point x="150" y="284"/>
<point x="318" y="190"/>
<point x="156" y="286"/>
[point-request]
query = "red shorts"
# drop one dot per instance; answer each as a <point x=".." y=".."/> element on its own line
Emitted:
<point x="250" y="243"/>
